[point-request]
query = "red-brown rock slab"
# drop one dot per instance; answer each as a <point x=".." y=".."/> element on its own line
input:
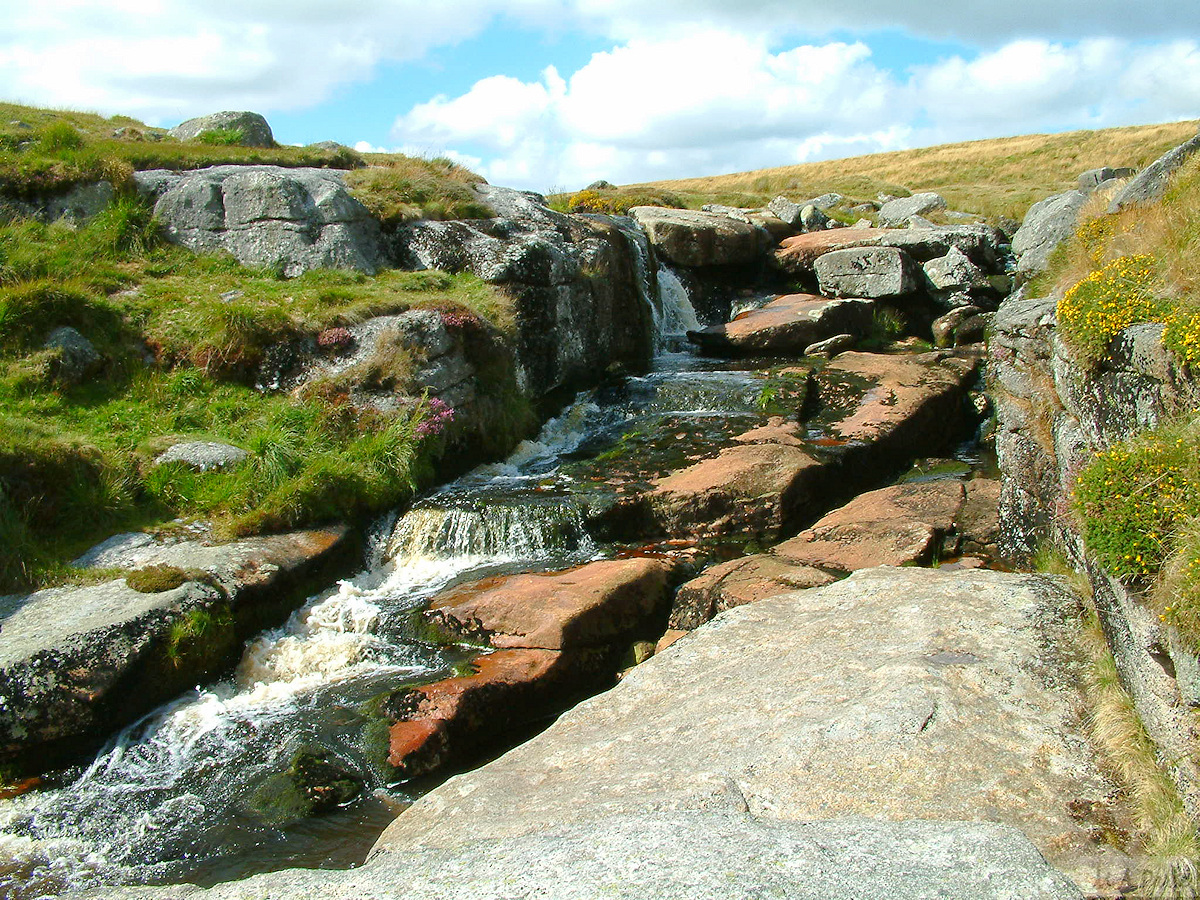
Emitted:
<point x="786" y="326"/>
<point x="776" y="431"/>
<point x="900" y="525"/>
<point x="750" y="488"/>
<point x="797" y="254"/>
<point x="914" y="405"/>
<point x="592" y="605"/>
<point x="451" y="717"/>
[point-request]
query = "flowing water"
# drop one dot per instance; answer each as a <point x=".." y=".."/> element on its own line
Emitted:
<point x="212" y="786"/>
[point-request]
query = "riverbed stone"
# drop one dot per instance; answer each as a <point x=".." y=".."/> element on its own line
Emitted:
<point x="896" y="694"/>
<point x="78" y="662"/>
<point x="748" y="489"/>
<point x="905" y="524"/>
<point x="596" y="604"/>
<point x="693" y="238"/>
<point x="787" y="325"/>
<point x="872" y="272"/>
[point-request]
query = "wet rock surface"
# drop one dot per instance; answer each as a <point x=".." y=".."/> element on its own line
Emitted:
<point x="78" y="662"/>
<point x="905" y="524"/>
<point x="785" y="326"/>
<point x="898" y="694"/>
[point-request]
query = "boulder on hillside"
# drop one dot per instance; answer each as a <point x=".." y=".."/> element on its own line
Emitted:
<point x="253" y="128"/>
<point x="870" y="272"/>
<point x="1093" y="178"/>
<point x="203" y="456"/>
<point x="898" y="212"/>
<point x="70" y="655"/>
<point x="696" y="239"/>
<point x="76" y="358"/>
<point x="980" y="243"/>
<point x="1048" y="223"/>
<point x="1150" y="184"/>
<point x="897" y="694"/>
<point x="786" y="326"/>
<point x="292" y="219"/>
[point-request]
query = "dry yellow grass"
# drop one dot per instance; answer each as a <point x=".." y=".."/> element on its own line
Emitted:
<point x="997" y="177"/>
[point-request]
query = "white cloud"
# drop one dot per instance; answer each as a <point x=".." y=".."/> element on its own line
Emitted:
<point x="706" y="101"/>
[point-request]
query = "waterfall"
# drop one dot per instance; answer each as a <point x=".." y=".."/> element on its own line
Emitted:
<point x="678" y="315"/>
<point x="490" y="532"/>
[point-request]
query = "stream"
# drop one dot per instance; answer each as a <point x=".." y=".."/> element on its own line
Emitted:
<point x="203" y="789"/>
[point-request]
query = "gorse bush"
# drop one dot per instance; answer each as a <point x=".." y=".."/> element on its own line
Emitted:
<point x="1122" y="293"/>
<point x="1134" y="498"/>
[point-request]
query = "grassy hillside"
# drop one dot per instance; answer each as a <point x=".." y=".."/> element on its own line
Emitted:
<point x="999" y="177"/>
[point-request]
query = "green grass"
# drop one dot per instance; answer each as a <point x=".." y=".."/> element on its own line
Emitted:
<point x="181" y="337"/>
<point x="1165" y="833"/>
<point x="398" y="189"/>
<point x="613" y="201"/>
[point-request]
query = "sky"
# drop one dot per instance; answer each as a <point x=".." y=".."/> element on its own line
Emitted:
<point x="550" y="95"/>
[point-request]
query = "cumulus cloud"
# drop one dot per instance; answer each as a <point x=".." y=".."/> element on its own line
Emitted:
<point x="708" y="101"/>
<point x="163" y="59"/>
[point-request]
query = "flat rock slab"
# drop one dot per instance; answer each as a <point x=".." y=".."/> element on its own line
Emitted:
<point x="79" y="662"/>
<point x="693" y="238"/>
<point x="798" y="255"/>
<point x="749" y="488"/>
<point x="896" y="694"/>
<point x="589" y="606"/>
<point x="786" y="326"/>
<point x="872" y="272"/>
<point x="914" y="400"/>
<point x="688" y="854"/>
<point x="905" y="524"/>
<point x="452" y="719"/>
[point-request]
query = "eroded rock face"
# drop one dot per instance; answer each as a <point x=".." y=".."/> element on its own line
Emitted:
<point x="908" y="694"/>
<point x="578" y="283"/>
<point x="981" y="243"/>
<point x="293" y="219"/>
<point x="1151" y="183"/>
<point x="77" y="663"/>
<point x="694" y="238"/>
<point x="1047" y="224"/>
<point x="786" y="326"/>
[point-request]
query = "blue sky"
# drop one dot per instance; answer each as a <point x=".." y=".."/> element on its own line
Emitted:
<point x="549" y="94"/>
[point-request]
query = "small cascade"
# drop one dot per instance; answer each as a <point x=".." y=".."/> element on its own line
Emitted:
<point x="643" y="261"/>
<point x="678" y="316"/>
<point x="489" y="532"/>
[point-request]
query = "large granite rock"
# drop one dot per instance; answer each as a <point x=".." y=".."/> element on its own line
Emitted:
<point x="1150" y="184"/>
<point x="898" y="212"/>
<point x="710" y="854"/>
<point x="255" y="132"/>
<point x="1048" y="223"/>
<point x="872" y="272"/>
<point x="291" y="219"/>
<point x="786" y="326"/>
<point x="78" y="662"/>
<point x="981" y="243"/>
<point x="695" y="238"/>
<point x="579" y="284"/>
<point x="897" y="694"/>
